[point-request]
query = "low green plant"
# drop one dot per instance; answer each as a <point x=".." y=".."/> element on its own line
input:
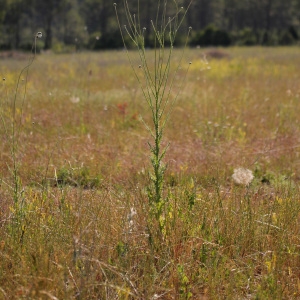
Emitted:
<point x="76" y="177"/>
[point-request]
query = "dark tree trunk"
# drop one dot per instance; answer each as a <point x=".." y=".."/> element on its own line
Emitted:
<point x="48" y="38"/>
<point x="104" y="17"/>
<point x="17" y="35"/>
<point x="189" y="18"/>
<point x="268" y="12"/>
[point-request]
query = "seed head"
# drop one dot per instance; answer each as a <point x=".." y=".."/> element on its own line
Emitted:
<point x="74" y="99"/>
<point x="242" y="176"/>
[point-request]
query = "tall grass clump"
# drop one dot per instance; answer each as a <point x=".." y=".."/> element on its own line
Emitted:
<point x="12" y="118"/>
<point x="156" y="71"/>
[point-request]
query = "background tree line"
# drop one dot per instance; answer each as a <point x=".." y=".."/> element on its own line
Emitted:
<point x="69" y="24"/>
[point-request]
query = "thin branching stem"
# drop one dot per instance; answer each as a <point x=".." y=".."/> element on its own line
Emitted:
<point x="157" y="83"/>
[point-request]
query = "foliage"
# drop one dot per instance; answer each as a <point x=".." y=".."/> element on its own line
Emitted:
<point x="77" y="22"/>
<point x="247" y="37"/>
<point x="211" y="36"/>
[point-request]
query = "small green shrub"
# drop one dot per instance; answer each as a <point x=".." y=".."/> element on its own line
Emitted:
<point x="211" y="36"/>
<point x="286" y="38"/>
<point x="247" y="37"/>
<point x="76" y="177"/>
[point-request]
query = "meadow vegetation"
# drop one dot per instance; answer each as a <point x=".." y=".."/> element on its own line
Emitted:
<point x="77" y="225"/>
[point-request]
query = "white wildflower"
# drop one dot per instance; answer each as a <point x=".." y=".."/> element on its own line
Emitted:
<point x="242" y="176"/>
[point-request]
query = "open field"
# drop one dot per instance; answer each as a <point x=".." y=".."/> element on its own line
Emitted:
<point x="74" y="172"/>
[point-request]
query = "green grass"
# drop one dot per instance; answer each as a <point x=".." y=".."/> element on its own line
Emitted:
<point x="83" y="164"/>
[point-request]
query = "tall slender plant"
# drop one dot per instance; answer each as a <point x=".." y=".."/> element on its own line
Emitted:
<point x="12" y="127"/>
<point x="156" y="77"/>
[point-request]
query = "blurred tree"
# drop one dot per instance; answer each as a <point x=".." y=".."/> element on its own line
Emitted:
<point x="70" y="21"/>
<point x="74" y="26"/>
<point x="50" y="11"/>
<point x="3" y="8"/>
<point x="97" y="15"/>
<point x="15" y="10"/>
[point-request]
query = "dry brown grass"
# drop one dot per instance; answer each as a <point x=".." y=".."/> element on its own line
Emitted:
<point x="83" y="166"/>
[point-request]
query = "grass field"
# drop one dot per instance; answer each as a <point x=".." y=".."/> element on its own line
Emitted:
<point x="74" y="172"/>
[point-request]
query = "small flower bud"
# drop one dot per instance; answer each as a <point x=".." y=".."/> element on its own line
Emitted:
<point x="115" y="4"/>
<point x="39" y="35"/>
